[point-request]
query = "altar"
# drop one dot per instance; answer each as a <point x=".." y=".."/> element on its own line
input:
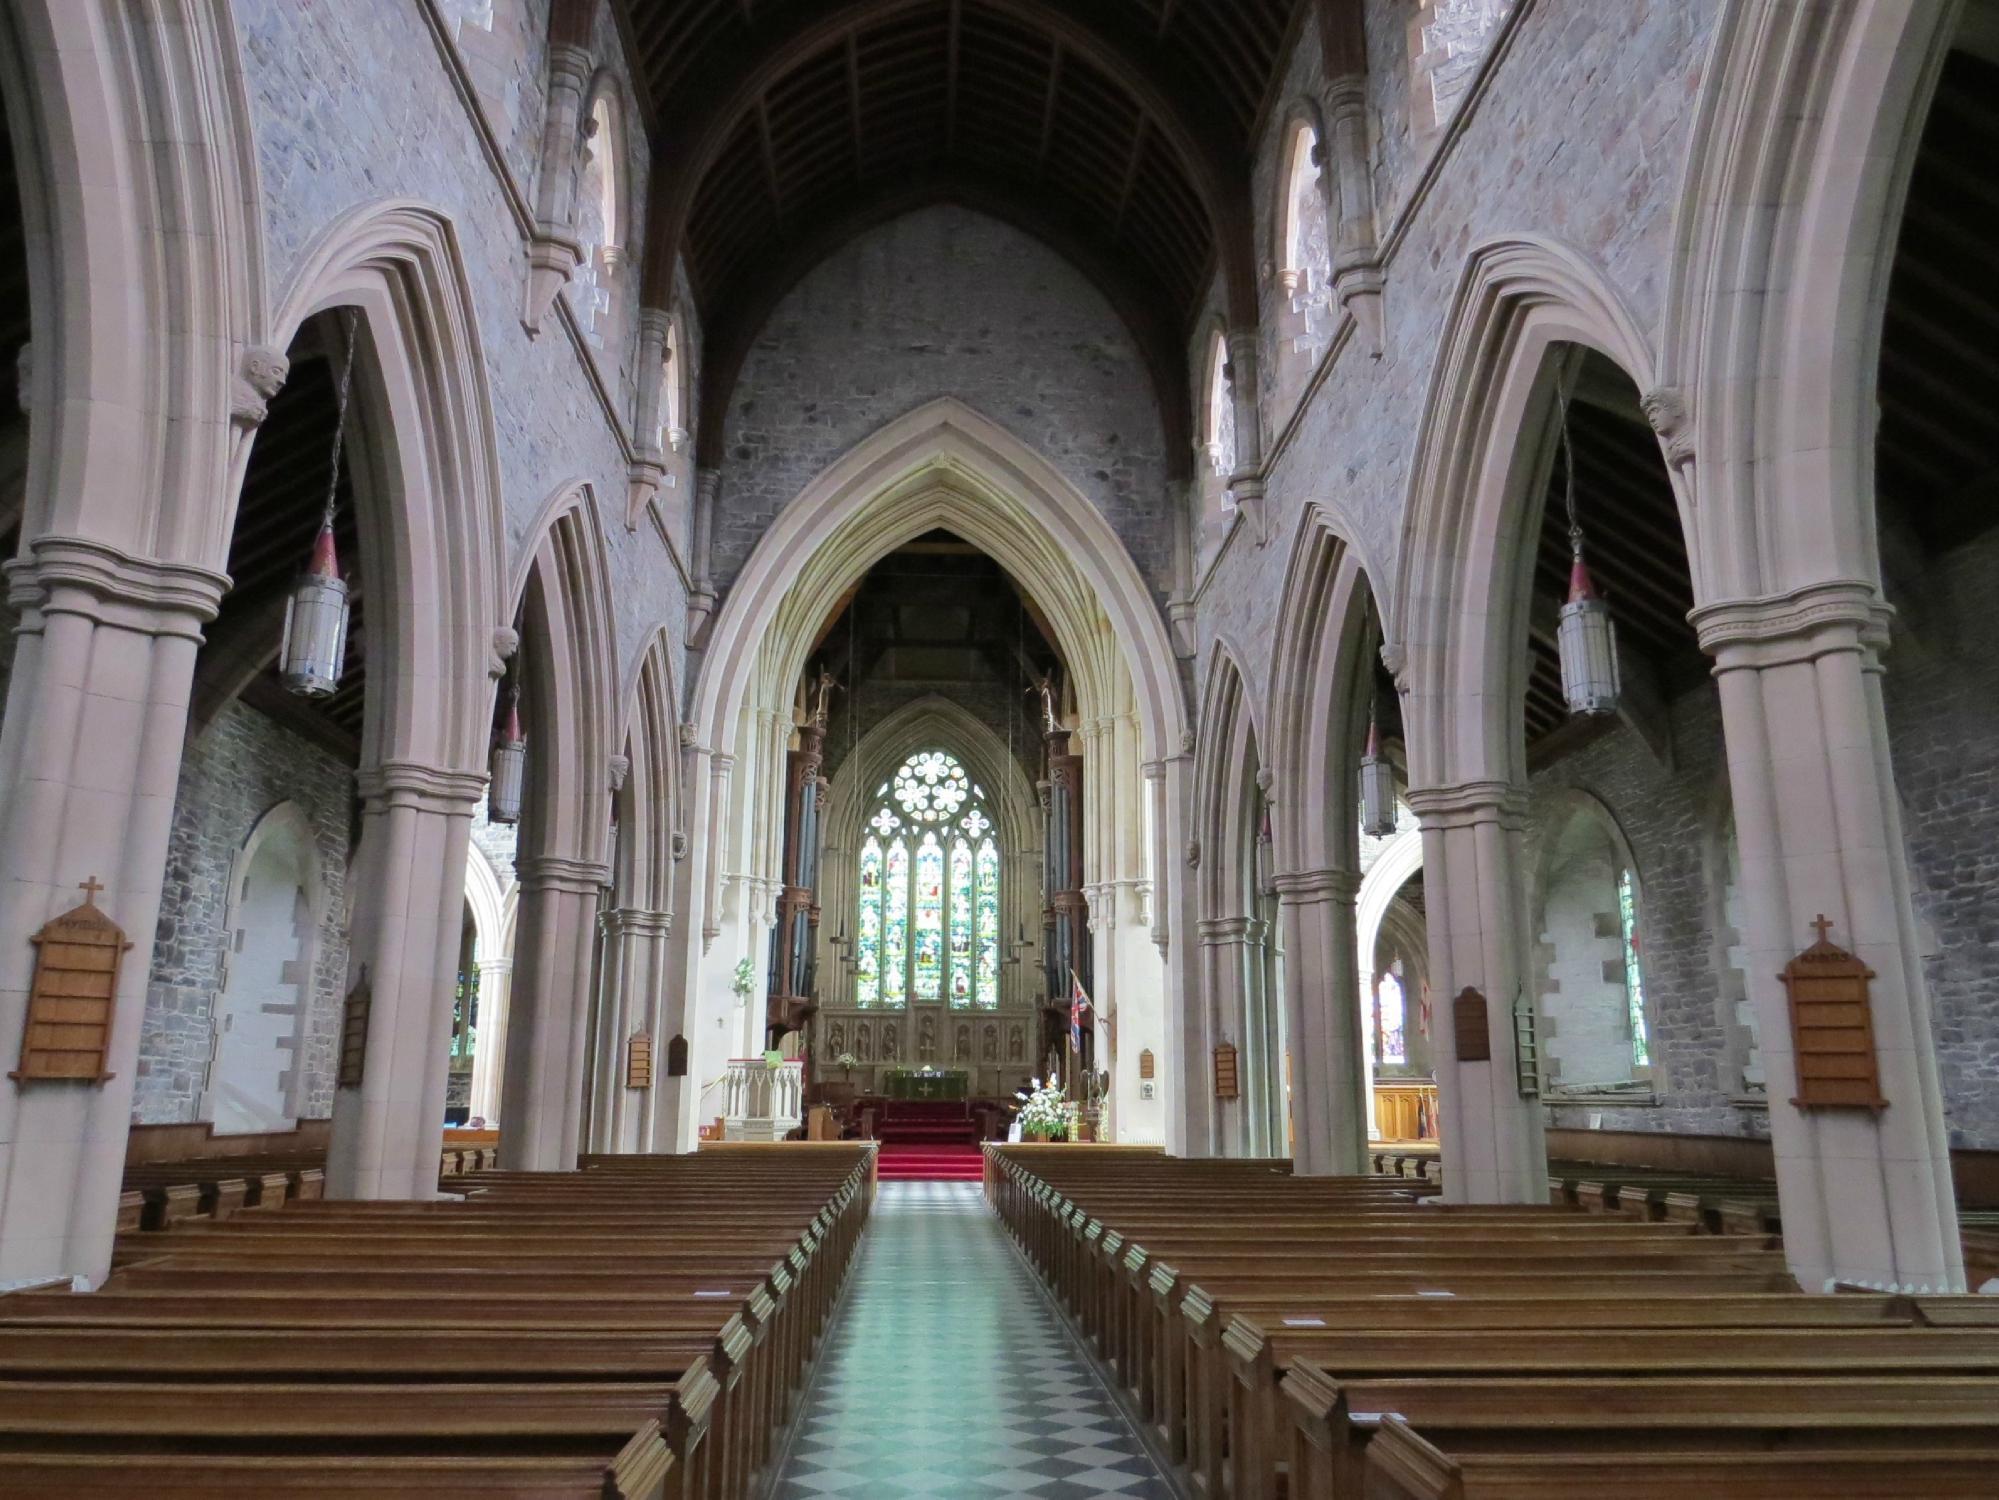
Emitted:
<point x="924" y="1083"/>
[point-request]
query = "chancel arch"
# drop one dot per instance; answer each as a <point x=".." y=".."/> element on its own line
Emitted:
<point x="941" y="467"/>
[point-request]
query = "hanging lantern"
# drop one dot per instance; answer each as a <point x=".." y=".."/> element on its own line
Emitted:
<point x="314" y="648"/>
<point x="315" y="639"/>
<point x="1585" y="638"/>
<point x="1377" y="788"/>
<point x="1586" y="641"/>
<point x="509" y="768"/>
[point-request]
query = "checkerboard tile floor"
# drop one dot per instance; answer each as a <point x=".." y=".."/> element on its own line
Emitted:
<point x="947" y="1376"/>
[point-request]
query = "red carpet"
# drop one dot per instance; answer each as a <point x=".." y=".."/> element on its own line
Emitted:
<point x="930" y="1163"/>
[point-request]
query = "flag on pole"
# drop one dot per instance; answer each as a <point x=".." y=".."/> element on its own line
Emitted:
<point x="1079" y="1005"/>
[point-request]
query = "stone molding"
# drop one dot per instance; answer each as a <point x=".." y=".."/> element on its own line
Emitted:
<point x="627" y="921"/>
<point x="1214" y="932"/>
<point x="108" y="586"/>
<point x="561" y="872"/>
<point x="405" y="783"/>
<point x="1469" y="803"/>
<point x="1315" y="887"/>
<point x="1844" y="614"/>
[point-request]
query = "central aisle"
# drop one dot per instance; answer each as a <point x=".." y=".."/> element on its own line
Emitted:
<point x="946" y="1374"/>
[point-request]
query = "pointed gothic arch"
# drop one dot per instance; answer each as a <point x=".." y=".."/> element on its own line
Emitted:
<point x="946" y="466"/>
<point x="1456" y="615"/>
<point x="1804" y="140"/>
<point x="566" y="665"/>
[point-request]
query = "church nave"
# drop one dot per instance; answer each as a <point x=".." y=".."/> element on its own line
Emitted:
<point x="947" y="1375"/>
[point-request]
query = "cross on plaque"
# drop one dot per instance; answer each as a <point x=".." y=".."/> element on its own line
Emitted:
<point x="1822" y="927"/>
<point x="90" y="888"/>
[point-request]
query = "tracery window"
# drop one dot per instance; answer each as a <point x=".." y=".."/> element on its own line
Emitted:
<point x="1221" y="442"/>
<point x="928" y="925"/>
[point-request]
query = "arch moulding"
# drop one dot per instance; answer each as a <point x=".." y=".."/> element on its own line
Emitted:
<point x="1459" y="576"/>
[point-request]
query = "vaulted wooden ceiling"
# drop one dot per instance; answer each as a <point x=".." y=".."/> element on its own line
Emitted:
<point x="1119" y="131"/>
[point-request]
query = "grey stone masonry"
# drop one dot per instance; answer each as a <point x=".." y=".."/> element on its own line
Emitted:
<point x="244" y="765"/>
<point x="945" y="302"/>
<point x="1673" y="820"/>
<point x="1942" y="695"/>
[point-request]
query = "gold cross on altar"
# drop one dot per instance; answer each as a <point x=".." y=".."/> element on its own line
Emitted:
<point x="90" y="888"/>
<point x="1822" y="927"/>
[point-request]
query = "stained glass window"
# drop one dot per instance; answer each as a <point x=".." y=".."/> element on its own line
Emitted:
<point x="1634" y="982"/>
<point x="1390" y="1020"/>
<point x="895" y="926"/>
<point x="989" y="923"/>
<point x="929" y="890"/>
<point x="867" y="961"/>
<point x="929" y="918"/>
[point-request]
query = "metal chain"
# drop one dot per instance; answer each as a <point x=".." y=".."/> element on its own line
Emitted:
<point x="1568" y="459"/>
<point x="340" y="422"/>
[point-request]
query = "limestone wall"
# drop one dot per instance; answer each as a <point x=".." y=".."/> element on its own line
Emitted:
<point x="355" y="104"/>
<point x="945" y="302"/>
<point x="232" y="775"/>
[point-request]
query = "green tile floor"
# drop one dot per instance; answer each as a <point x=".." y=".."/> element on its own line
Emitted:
<point x="946" y="1374"/>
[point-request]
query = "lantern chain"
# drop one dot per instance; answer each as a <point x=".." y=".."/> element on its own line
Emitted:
<point x="340" y="419"/>
<point x="1568" y="461"/>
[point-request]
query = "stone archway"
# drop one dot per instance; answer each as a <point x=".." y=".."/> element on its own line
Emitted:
<point x="941" y="466"/>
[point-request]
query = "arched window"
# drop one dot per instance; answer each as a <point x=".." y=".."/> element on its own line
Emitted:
<point x="1595" y="1032"/>
<point x="1391" y="1043"/>
<point x="1220" y="435"/>
<point x="599" y="216"/>
<point x="1306" y="237"/>
<point x="929" y="891"/>
<point x="673" y="390"/>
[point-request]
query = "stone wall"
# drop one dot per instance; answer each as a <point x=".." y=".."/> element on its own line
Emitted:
<point x="1673" y="821"/>
<point x="1584" y="142"/>
<point x="945" y="302"/>
<point x="1942" y="695"/>
<point x="354" y="104"/>
<point x="244" y="765"/>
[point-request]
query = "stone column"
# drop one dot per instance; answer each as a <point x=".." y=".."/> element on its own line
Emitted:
<point x="1246" y="483"/>
<point x="701" y="547"/>
<point x="489" y="1062"/>
<point x="1866" y="1195"/>
<point x="408" y="913"/>
<point x="1225" y="967"/>
<point x="1474" y="889"/>
<point x="1329" y="1118"/>
<point x="631" y="990"/>
<point x="546" y="1038"/>
<point x="89" y="758"/>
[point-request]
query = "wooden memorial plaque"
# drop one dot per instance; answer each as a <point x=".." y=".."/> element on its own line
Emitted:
<point x="1227" y="1084"/>
<point x="75" y="989"/>
<point x="638" y="1061"/>
<point x="1471" y="1026"/>
<point x="1145" y="1064"/>
<point x="1832" y="1028"/>
<point x="354" y="1033"/>
<point x="676" y="1058"/>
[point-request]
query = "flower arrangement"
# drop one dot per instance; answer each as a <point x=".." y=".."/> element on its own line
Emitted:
<point x="1044" y="1113"/>
<point x="745" y="979"/>
<point x="846" y="1062"/>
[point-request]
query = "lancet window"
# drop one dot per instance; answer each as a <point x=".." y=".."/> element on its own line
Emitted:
<point x="928" y="926"/>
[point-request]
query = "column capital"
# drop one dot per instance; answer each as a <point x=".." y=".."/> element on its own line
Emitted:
<point x="109" y="586"/>
<point x="408" y="783"/>
<point x="561" y="872"/>
<point x="496" y="966"/>
<point x="1311" y="887"/>
<point x="569" y="64"/>
<point x="622" y="921"/>
<point x="1215" y="931"/>
<point x="1841" y="614"/>
<point x="1469" y="802"/>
